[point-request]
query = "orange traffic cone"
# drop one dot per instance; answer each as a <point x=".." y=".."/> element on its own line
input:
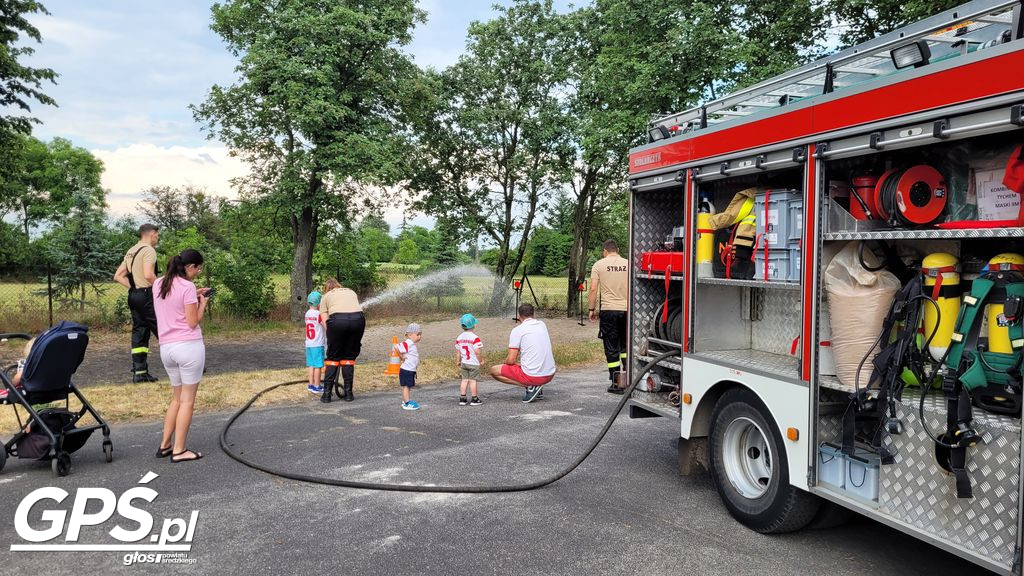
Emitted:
<point x="395" y="361"/>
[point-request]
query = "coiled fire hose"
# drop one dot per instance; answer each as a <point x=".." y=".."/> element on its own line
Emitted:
<point x="419" y="488"/>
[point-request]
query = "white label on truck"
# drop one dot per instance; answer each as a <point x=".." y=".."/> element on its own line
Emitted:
<point x="995" y="201"/>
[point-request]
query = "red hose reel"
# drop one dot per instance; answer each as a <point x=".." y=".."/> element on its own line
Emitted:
<point x="914" y="196"/>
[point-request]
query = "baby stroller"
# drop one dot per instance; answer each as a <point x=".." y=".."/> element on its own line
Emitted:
<point x="51" y="433"/>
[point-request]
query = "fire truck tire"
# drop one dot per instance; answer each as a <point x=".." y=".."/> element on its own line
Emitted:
<point x="750" y="468"/>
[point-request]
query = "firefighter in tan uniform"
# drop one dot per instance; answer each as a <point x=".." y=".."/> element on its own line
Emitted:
<point x="610" y="277"/>
<point x="137" y="273"/>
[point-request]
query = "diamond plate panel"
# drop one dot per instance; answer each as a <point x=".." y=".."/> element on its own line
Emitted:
<point x="654" y="214"/>
<point x="777" y="314"/>
<point x="782" y="364"/>
<point x="917" y="491"/>
<point x="830" y="429"/>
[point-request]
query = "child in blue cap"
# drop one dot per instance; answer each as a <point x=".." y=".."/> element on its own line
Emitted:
<point x="315" y="342"/>
<point x="467" y="351"/>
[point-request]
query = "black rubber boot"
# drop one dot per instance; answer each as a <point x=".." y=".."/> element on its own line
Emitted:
<point x="330" y="381"/>
<point x="615" y="388"/>
<point x="348" y="375"/>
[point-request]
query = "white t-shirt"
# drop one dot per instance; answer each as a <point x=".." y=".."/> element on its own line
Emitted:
<point x="314" y="329"/>
<point x="534" y="344"/>
<point x="412" y="355"/>
<point x="467" y="344"/>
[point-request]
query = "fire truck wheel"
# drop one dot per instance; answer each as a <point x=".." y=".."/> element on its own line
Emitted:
<point x="749" y="465"/>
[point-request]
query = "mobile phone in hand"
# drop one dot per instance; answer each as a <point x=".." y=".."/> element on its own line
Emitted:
<point x="211" y="292"/>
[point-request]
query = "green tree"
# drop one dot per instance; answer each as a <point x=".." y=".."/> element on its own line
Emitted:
<point x="862" y="20"/>
<point x="174" y="209"/>
<point x="495" y="131"/>
<point x="47" y="178"/>
<point x="451" y="285"/>
<point x="341" y="254"/>
<point x="81" y="250"/>
<point x="259" y="231"/>
<point x="19" y="84"/>
<point x="408" y="252"/>
<point x="775" y="36"/>
<point x="426" y="241"/>
<point x="379" y="246"/>
<point x="317" y="110"/>
<point x="628" y="62"/>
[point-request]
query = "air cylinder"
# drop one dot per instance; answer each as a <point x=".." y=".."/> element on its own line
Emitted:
<point x="999" y="335"/>
<point x="940" y="270"/>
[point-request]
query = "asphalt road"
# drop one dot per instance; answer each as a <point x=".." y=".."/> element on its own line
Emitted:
<point x="625" y="510"/>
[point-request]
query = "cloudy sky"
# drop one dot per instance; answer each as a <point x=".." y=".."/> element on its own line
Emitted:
<point x="129" y="69"/>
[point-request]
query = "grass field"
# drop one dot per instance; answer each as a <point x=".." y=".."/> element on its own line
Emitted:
<point x="24" y="305"/>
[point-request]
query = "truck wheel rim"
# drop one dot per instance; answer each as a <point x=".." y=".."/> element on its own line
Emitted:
<point x="747" y="458"/>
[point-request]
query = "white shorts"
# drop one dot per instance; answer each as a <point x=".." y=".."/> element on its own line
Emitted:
<point x="184" y="361"/>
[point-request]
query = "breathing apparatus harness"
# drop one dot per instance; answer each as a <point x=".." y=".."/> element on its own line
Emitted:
<point x="970" y="373"/>
<point x="227" y="448"/>
<point x="900" y="354"/>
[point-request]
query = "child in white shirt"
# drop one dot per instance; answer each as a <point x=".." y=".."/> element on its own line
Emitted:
<point x="315" y="342"/>
<point x="467" y="352"/>
<point x="410" y="362"/>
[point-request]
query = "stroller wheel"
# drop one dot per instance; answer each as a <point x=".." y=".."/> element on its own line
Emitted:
<point x="3" y="456"/>
<point x="61" y="464"/>
<point x="108" y="451"/>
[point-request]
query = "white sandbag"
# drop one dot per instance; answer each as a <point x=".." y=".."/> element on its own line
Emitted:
<point x="858" y="302"/>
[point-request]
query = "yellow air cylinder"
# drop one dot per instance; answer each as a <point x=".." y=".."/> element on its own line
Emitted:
<point x="705" y="238"/>
<point x="999" y="336"/>
<point x="943" y="319"/>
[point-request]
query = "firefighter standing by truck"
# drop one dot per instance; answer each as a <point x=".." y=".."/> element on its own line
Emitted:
<point x="610" y="277"/>
<point x="137" y="272"/>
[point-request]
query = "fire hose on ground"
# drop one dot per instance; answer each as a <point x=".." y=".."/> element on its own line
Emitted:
<point x="420" y="488"/>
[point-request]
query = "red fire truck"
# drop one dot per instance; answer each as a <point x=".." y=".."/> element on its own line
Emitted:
<point x="892" y="150"/>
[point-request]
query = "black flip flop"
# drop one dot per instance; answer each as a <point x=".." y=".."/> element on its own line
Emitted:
<point x="199" y="456"/>
<point x="164" y="452"/>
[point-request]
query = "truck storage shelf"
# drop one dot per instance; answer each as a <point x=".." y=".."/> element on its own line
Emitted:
<point x="657" y="276"/>
<point x="654" y="402"/>
<point x="781" y="364"/>
<point x="750" y="283"/>
<point x="935" y="402"/>
<point x="833" y="383"/>
<point x="672" y="362"/>
<point x="928" y="234"/>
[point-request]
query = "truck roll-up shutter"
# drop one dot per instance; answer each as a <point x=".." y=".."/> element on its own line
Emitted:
<point x="775" y="159"/>
<point x="940" y="128"/>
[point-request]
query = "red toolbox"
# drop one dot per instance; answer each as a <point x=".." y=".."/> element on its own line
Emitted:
<point x="662" y="261"/>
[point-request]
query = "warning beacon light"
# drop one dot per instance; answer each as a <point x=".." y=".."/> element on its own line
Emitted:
<point x="582" y="287"/>
<point x="657" y="133"/>
<point x="516" y="284"/>
<point x="915" y="54"/>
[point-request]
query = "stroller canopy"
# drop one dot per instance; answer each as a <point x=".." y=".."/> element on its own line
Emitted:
<point x="54" y="357"/>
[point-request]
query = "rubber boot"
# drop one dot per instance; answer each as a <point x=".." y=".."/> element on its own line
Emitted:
<point x="330" y="381"/>
<point x="615" y="388"/>
<point x="140" y="368"/>
<point x="348" y="375"/>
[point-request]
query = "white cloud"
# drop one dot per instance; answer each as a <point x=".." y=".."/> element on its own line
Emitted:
<point x="80" y="38"/>
<point x="129" y="170"/>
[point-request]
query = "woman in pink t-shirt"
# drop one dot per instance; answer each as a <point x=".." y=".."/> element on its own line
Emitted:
<point x="179" y="309"/>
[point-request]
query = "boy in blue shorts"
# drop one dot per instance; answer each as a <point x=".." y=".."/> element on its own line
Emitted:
<point x="315" y="342"/>
<point x="410" y="362"/>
